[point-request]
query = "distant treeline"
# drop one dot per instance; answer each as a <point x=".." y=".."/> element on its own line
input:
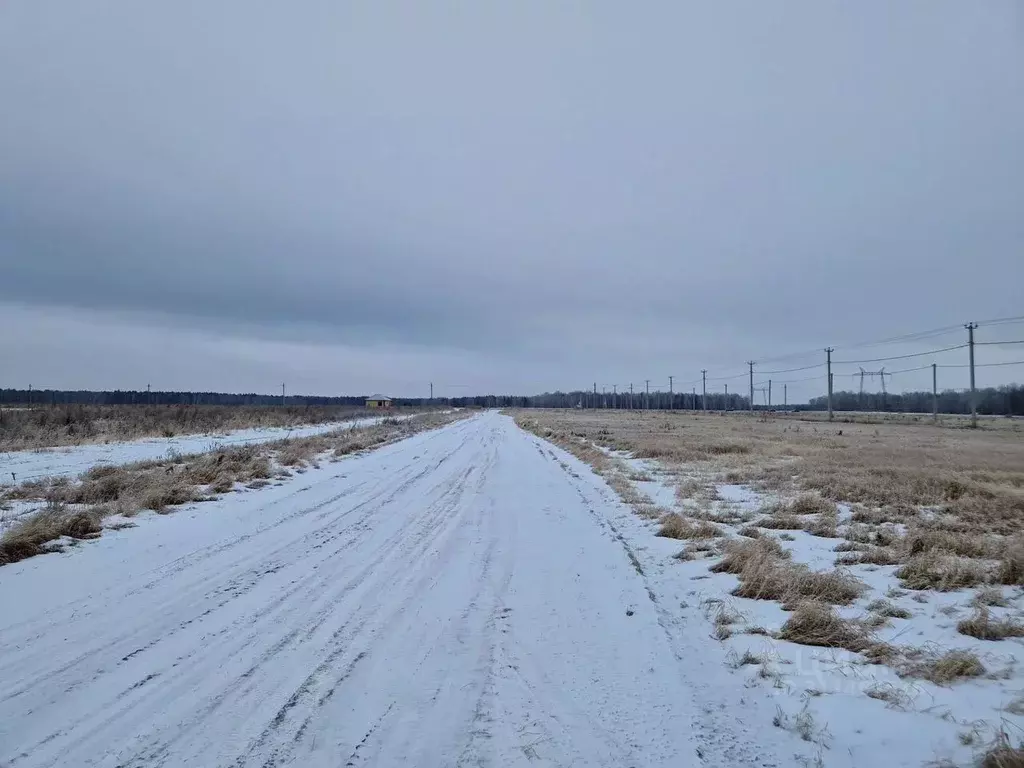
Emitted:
<point x="991" y="401"/>
<point x="142" y="397"/>
<point x="1005" y="400"/>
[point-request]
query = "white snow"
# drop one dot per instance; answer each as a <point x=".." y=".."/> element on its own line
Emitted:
<point x="468" y="596"/>
<point x="829" y="688"/>
<point x="455" y="598"/>
<point x="74" y="460"/>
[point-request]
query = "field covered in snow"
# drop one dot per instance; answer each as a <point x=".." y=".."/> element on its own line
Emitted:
<point x="68" y="461"/>
<point x="875" y="600"/>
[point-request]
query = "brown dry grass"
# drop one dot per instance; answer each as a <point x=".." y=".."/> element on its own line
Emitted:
<point x="50" y="426"/>
<point x="982" y="626"/>
<point x="31" y="535"/>
<point x="674" y="526"/>
<point x="888" y="469"/>
<point x="941" y="669"/>
<point x="1002" y="754"/>
<point x="813" y="623"/>
<point x="75" y="509"/>
<point x="942" y="572"/>
<point x="766" y="573"/>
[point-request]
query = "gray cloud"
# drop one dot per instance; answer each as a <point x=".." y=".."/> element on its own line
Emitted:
<point x="529" y="195"/>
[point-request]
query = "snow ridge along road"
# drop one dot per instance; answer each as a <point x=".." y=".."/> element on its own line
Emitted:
<point x="452" y="599"/>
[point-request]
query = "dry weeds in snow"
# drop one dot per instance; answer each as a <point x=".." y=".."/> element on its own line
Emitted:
<point x="76" y="509"/>
<point x="47" y="426"/>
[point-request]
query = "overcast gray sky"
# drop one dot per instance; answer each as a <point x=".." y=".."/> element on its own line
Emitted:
<point x="508" y="197"/>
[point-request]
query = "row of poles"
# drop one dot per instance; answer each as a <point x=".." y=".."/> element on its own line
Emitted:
<point x="646" y="399"/>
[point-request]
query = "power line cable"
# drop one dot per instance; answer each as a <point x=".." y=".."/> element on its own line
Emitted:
<point x="898" y="357"/>
<point x="794" y="370"/>
<point x="984" y="365"/>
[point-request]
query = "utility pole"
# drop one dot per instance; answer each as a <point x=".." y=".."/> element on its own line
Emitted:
<point x="30" y="396"/>
<point x="726" y="397"/>
<point x="647" y="394"/>
<point x="769" y="394"/>
<point x="593" y="402"/>
<point x="704" y="390"/>
<point x="431" y="393"/>
<point x="785" y="397"/>
<point x="828" y="362"/>
<point x="615" y="397"/>
<point x="282" y="394"/>
<point x="751" y="364"/>
<point x="935" y="394"/>
<point x="671" y="396"/>
<point x="631" y="396"/>
<point x="974" y="397"/>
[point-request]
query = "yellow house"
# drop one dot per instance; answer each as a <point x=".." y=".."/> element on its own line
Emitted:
<point x="378" y="401"/>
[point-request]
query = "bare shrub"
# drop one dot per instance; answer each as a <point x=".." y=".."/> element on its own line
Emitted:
<point x="813" y="623"/>
<point x="675" y="526"/>
<point x="945" y="573"/>
<point x="982" y="626"/>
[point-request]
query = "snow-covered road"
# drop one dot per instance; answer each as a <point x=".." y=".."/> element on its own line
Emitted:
<point x="458" y="598"/>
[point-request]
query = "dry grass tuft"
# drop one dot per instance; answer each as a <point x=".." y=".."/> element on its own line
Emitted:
<point x="894" y="697"/>
<point x="942" y="670"/>
<point x="751" y="532"/>
<point x="811" y="504"/>
<point x="982" y="626"/>
<point x="766" y="574"/>
<point x="698" y="549"/>
<point x="817" y="624"/>
<point x="1011" y="566"/>
<point x="990" y="595"/>
<point x="1003" y="756"/>
<point x="781" y="523"/>
<point x="825" y="527"/>
<point x="675" y="526"/>
<point x="740" y="555"/>
<point x="945" y="573"/>
<point x="28" y="538"/>
<point x="888" y="609"/>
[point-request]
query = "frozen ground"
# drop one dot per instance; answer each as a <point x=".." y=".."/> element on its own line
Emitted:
<point x="463" y="597"/>
<point x="74" y="460"/>
<point x="856" y="714"/>
<point x="469" y="596"/>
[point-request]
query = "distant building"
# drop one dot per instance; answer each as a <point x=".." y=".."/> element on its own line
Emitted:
<point x="378" y="401"/>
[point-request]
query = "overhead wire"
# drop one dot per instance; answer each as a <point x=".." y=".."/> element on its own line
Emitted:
<point x="898" y="357"/>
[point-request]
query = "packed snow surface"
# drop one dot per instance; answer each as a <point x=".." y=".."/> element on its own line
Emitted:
<point x="462" y="597"/>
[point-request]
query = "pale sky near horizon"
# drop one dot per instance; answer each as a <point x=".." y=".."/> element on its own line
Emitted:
<point x="505" y="197"/>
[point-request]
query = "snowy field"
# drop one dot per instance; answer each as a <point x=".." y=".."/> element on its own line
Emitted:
<point x="20" y="466"/>
<point x="472" y="595"/>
